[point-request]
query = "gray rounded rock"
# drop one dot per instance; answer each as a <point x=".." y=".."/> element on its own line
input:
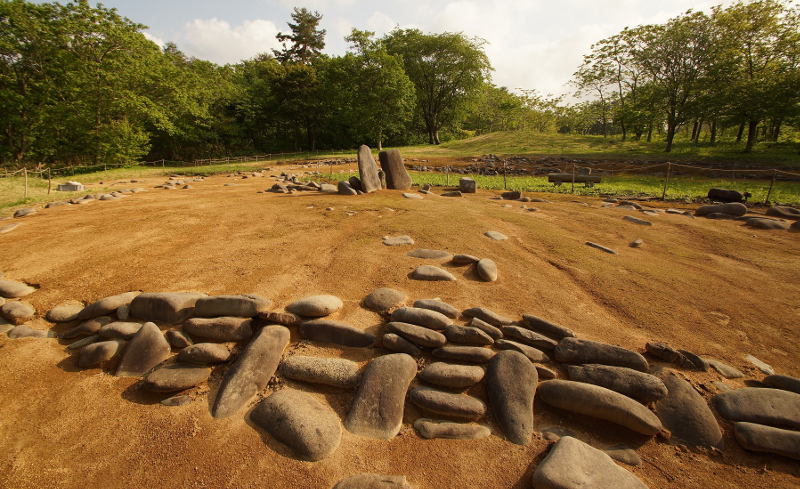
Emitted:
<point x="544" y="326"/>
<point x="17" y="312"/>
<point x="474" y="354"/>
<point x="27" y="332"/>
<point x="248" y="305"/>
<point x="760" y="438"/>
<point x="772" y="407"/>
<point x="432" y="274"/>
<point x="176" y="377"/>
<point x="533" y="354"/>
<point x="284" y="318"/>
<point x="593" y="400"/>
<point x="344" y="188"/>
<point x="383" y="299"/>
<point x="170" y="308"/>
<point x="448" y="404"/>
<point x="147" y="349"/>
<point x="496" y="235"/>
<point x="221" y="329"/>
<point x="398" y="241"/>
<point x="467" y="185"/>
<point x="396" y="175"/>
<point x="106" y="305"/>
<point x="438" y="306"/>
<point x="529" y="337"/>
<point x="336" y="372"/>
<point x="686" y="414"/>
<point x="83" y="342"/>
<point x="24" y="212"/>
<point x="294" y="418"/>
<point x="204" y="353"/>
<point x="119" y="330"/>
<point x="101" y="352"/>
<point x="328" y="331"/>
<point x="64" y="313"/>
<point x="578" y="351"/>
<point x="451" y="376"/>
<point x="732" y="209"/>
<point x="783" y="382"/>
<point x="397" y="343"/>
<point x="430" y="254"/>
<point x="636" y="220"/>
<point x="315" y="306"/>
<point x="488" y="316"/>
<point x="178" y="339"/>
<point x="8" y="228"/>
<point x="493" y="332"/>
<point x="487" y="270"/>
<point x="368" y="170"/>
<point x="511" y="382"/>
<point x="418" y="335"/>
<point x="632" y="383"/>
<point x="467" y="335"/>
<point x="422" y="317"/>
<point x="430" y="429"/>
<point x="784" y="212"/>
<point x="768" y="224"/>
<point x="373" y="481"/>
<point x="460" y="260"/>
<point x="124" y="312"/>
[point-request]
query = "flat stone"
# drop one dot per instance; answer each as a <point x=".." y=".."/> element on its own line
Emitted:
<point x="760" y="365"/>
<point x="549" y="328"/>
<point x="573" y="464"/>
<point x="85" y="341"/>
<point x="438" y="306"/>
<point x="421" y="317"/>
<point x="699" y="362"/>
<point x="373" y="481"/>
<point x="178" y="339"/>
<point x="636" y="220"/>
<point x="283" y="318"/>
<point x="636" y="243"/>
<point x="220" y="329"/>
<point x="8" y="228"/>
<point x="147" y="349"/>
<point x="27" y="332"/>
<point x="398" y="241"/>
<point x="170" y="308"/>
<point x="430" y="429"/>
<point x="64" y="313"/>
<point x="601" y="247"/>
<point x="487" y="270"/>
<point x="120" y="330"/>
<point x="204" y="353"/>
<point x="409" y="195"/>
<point x="511" y="195"/>
<point x="100" y="352"/>
<point x="305" y="425"/>
<point x="467" y="185"/>
<point x="397" y="343"/>
<point x="377" y="411"/>
<point x="328" y="331"/>
<point x="784" y="212"/>
<point x="461" y="259"/>
<point x="251" y="372"/>
<point x="383" y="299"/>
<point x="24" y="212"/>
<point x="430" y="254"/>
<point x="669" y="354"/>
<point x="493" y="332"/>
<point x="774" y="407"/>
<point x="448" y="404"/>
<point x="529" y="337"/>
<point x="107" y="305"/>
<point x="533" y="354"/>
<point x="315" y="306"/>
<point x="368" y="170"/>
<point x="593" y="400"/>
<point x="511" y="382"/>
<point x="336" y="372"/>
<point x="760" y="438"/>
<point x="488" y="316"/>
<point x="724" y="369"/>
<point x="176" y="377"/>
<point x="14" y="290"/>
<point x="555" y="433"/>
<point x="496" y="235"/>
<point x="248" y="305"/>
<point x="176" y="401"/>
<point x="418" y="335"/>
<point x="732" y="209"/>
<point x="685" y="413"/>
<point x="632" y="383"/>
<point x="454" y="193"/>
<point x="17" y="312"/>
<point x="467" y="335"/>
<point x="392" y="165"/>
<point x="431" y="273"/>
<point x="451" y="376"/>
<point x="625" y="454"/>
<point x="768" y="224"/>
<point x="783" y="382"/>
<point x="545" y="373"/>
<point x="578" y="351"/>
<point x="474" y="354"/>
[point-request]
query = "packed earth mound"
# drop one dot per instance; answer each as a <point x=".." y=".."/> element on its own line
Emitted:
<point x="224" y="335"/>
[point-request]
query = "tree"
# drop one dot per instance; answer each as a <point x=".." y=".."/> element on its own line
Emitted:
<point x="446" y="70"/>
<point x="307" y="42"/>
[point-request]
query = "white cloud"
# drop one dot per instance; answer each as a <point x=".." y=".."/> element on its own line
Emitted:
<point x="380" y="24"/>
<point x="216" y="40"/>
<point x="157" y="41"/>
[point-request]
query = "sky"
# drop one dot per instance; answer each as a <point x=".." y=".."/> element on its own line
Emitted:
<point x="532" y="44"/>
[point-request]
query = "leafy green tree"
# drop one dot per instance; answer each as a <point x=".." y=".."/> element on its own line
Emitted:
<point x="306" y="41"/>
<point x="446" y="69"/>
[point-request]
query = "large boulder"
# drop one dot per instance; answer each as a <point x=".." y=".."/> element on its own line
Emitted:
<point x="396" y="175"/>
<point x="294" y="418"/>
<point x="511" y="382"/>
<point x="147" y="349"/>
<point x="377" y="411"/>
<point x="784" y="212"/>
<point x="368" y="170"/>
<point x="248" y="305"/>
<point x="578" y="351"/>
<point x="170" y="307"/>
<point x="251" y="372"/>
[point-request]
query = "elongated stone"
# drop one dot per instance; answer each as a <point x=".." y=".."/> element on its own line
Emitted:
<point x="474" y="354"/>
<point x="252" y="370"/>
<point x="546" y="327"/>
<point x="421" y="317"/>
<point x="175" y="377"/>
<point x="204" y="353"/>
<point x="430" y="254"/>
<point x="123" y="330"/>
<point x="315" y="306"/>
<point x="784" y="382"/>
<point x="85" y="341"/>
<point x="511" y="382"/>
<point x="64" y="313"/>
<point x="451" y="376"/>
<point x="170" y="308"/>
<point x="432" y="274"/>
<point x="336" y="372"/>
<point x="488" y="316"/>
<point x="96" y="353"/>
<point x="448" y="404"/>
<point x="419" y="335"/>
<point x="377" y="410"/>
<point x="221" y="329"/>
<point x="368" y="170"/>
<point x="450" y="431"/>
<point x="107" y="305"/>
<point x="328" y="331"/>
<point x="396" y="175"/>
<point x="487" y="270"/>
<point x="461" y="259"/>
<point x="772" y="407"/>
<point x="533" y="354"/>
<point x="248" y="305"/>
<point x="760" y="438"/>
<point x="438" y="306"/>
<point x="577" y="351"/>
<point x="686" y="415"/>
<point x="397" y="343"/>
<point x="493" y="332"/>
<point x="147" y="349"/>
<point x="529" y="337"/>
<point x="467" y="335"/>
<point x="632" y="383"/>
<point x="13" y="290"/>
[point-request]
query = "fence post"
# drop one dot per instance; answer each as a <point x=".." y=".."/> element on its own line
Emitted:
<point x="733" y="180"/>
<point x="766" y="201"/>
<point x="162" y="162"/>
<point x="447" y="172"/>
<point x="573" y="178"/>
<point x="331" y="176"/>
<point x="669" y="172"/>
<point x="505" y="183"/>
<point x="49" y="181"/>
<point x="25" y="172"/>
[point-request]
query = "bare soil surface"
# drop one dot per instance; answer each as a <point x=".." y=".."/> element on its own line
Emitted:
<point x="716" y="288"/>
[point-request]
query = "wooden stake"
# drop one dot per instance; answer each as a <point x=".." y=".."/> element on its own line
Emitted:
<point x="505" y="183"/>
<point x="25" y="172"/>
<point x="669" y="172"/>
<point x="447" y="172"/>
<point x="573" y="179"/>
<point x="766" y="201"/>
<point x="49" y="181"/>
<point x="331" y="176"/>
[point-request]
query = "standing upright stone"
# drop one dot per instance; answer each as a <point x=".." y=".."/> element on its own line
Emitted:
<point x="396" y="175"/>
<point x="368" y="170"/>
<point x="467" y="185"/>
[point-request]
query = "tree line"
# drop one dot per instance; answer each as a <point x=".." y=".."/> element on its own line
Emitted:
<point x="83" y="85"/>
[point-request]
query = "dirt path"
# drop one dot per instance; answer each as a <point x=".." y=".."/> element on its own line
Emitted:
<point x="713" y="287"/>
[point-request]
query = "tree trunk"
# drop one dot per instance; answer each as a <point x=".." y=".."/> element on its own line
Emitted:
<point x="694" y="130"/>
<point x="776" y="131"/>
<point x="436" y="137"/>
<point x="649" y="133"/>
<point x="699" y="130"/>
<point x="670" y="134"/>
<point x="624" y="132"/>
<point x="752" y="134"/>
<point x="713" y="133"/>
<point x="741" y="132"/>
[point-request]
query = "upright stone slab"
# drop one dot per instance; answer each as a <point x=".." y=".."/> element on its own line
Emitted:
<point x="368" y="170"/>
<point x="377" y="411"/>
<point x="511" y="382"/>
<point x="573" y="464"/>
<point x="773" y="407"/>
<point x="252" y="370"/>
<point x="577" y="351"/>
<point x="686" y="415"/>
<point x="467" y="185"/>
<point x="396" y="175"/>
<point x="107" y="305"/>
<point x="147" y="349"/>
<point x="171" y="307"/>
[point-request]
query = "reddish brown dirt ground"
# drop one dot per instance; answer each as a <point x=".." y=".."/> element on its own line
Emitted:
<point x="716" y="288"/>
